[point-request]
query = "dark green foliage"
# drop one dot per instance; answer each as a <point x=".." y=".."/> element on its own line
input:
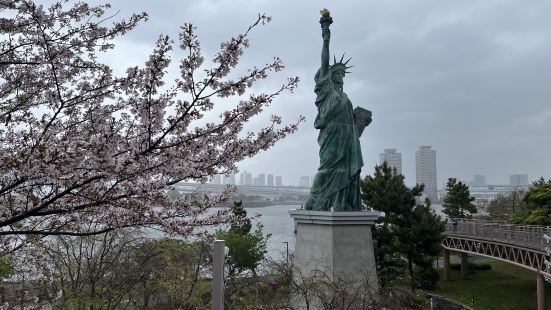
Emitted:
<point x="246" y="249"/>
<point x="243" y="224"/>
<point x="538" y="216"/>
<point x="472" y="266"/>
<point x="537" y="202"/>
<point x="6" y="266"/>
<point x="458" y="202"/>
<point x="425" y="277"/>
<point x="409" y="235"/>
<point x="422" y="238"/>
<point x="387" y="192"/>
<point x="539" y="194"/>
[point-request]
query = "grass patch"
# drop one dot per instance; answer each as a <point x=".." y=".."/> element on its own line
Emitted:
<point x="472" y="266"/>
<point x="504" y="287"/>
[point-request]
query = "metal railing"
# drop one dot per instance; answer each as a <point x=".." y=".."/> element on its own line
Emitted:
<point x="528" y="236"/>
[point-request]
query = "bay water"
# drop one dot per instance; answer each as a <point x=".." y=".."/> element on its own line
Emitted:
<point x="278" y="223"/>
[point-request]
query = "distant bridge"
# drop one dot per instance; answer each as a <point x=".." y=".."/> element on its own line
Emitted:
<point x="527" y="246"/>
<point x="272" y="191"/>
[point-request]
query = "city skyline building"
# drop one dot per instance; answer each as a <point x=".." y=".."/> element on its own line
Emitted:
<point x="518" y="180"/>
<point x="393" y="158"/>
<point x="246" y="178"/>
<point x="304" y="181"/>
<point x="478" y="181"/>
<point x="260" y="180"/>
<point x="425" y="171"/>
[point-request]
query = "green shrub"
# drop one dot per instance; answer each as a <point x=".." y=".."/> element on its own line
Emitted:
<point x="425" y="277"/>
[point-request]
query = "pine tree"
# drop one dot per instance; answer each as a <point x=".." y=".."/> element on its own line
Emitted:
<point x="247" y="248"/>
<point x="538" y="205"/>
<point x="407" y="239"/>
<point x="458" y="202"/>
<point x="242" y="224"/>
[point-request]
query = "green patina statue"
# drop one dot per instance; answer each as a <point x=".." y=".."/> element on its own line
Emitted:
<point x="336" y="186"/>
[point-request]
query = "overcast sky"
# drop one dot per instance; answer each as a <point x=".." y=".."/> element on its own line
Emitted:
<point x="470" y="78"/>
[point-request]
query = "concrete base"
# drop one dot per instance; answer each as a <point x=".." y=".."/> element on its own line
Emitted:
<point x="336" y="243"/>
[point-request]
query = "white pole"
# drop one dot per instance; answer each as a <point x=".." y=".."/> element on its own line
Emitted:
<point x="218" y="276"/>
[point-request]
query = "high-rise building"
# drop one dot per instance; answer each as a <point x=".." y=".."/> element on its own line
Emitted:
<point x="425" y="171"/>
<point x="246" y="178"/>
<point x="478" y="181"/>
<point x="304" y="181"/>
<point x="278" y="181"/>
<point x="270" y="180"/>
<point x="262" y="179"/>
<point x="518" y="180"/>
<point x="393" y="158"/>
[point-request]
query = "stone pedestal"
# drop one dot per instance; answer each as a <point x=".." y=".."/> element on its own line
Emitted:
<point x="336" y="243"/>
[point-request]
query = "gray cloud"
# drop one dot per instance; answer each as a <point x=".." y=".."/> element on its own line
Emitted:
<point x="470" y="78"/>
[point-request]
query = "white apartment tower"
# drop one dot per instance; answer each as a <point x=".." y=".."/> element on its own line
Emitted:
<point x="425" y="170"/>
<point x="518" y="180"/>
<point x="393" y="158"/>
<point x="304" y="181"/>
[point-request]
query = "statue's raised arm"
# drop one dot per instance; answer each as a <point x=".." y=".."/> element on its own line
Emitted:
<point x="325" y="21"/>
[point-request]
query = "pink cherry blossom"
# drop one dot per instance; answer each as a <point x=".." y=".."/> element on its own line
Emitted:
<point x="84" y="152"/>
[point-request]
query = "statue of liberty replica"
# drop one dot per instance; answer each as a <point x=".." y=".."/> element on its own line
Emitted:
<point x="336" y="186"/>
<point x="333" y="231"/>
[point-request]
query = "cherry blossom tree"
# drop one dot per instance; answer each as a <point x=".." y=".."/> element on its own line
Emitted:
<point x="84" y="152"/>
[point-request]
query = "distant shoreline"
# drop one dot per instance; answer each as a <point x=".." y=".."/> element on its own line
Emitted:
<point x="261" y="204"/>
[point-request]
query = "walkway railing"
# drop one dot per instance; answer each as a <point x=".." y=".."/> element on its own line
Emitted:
<point x="528" y="246"/>
<point x="528" y="236"/>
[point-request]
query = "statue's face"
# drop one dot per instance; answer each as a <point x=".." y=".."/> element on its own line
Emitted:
<point x="337" y="77"/>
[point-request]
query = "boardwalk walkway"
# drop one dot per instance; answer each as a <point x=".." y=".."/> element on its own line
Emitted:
<point x="526" y="236"/>
<point x="527" y="246"/>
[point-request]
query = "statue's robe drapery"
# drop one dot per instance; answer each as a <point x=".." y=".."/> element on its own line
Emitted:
<point x="336" y="185"/>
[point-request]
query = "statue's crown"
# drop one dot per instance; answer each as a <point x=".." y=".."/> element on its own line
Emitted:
<point x="340" y="65"/>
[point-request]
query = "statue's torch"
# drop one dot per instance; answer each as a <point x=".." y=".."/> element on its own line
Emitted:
<point x="325" y="19"/>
